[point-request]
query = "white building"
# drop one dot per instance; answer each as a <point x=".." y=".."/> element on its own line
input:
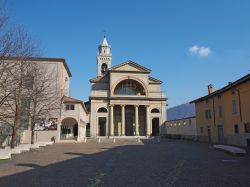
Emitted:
<point x="181" y="128"/>
<point x="125" y="99"/>
<point x="69" y="121"/>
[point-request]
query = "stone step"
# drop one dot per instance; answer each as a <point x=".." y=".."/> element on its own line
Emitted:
<point x="231" y="149"/>
<point x="34" y="146"/>
<point x="24" y="147"/>
<point x="16" y="150"/>
<point x="43" y="144"/>
<point x="5" y="154"/>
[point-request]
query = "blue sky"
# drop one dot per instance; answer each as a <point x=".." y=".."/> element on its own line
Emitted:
<point x="188" y="44"/>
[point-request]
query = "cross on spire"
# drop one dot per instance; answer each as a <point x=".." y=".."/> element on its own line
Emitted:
<point x="104" y="33"/>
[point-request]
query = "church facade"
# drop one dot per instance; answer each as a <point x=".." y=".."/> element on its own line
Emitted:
<point x="125" y="100"/>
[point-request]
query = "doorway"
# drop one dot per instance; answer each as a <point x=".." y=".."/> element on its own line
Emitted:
<point x="220" y="134"/>
<point x="209" y="134"/>
<point x="102" y="126"/>
<point x="129" y="120"/>
<point x="155" y="126"/>
<point x="69" y="129"/>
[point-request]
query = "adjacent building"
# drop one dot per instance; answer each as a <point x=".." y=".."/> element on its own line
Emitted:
<point x="184" y="128"/>
<point x="69" y="118"/>
<point x="223" y="116"/>
<point x="125" y="99"/>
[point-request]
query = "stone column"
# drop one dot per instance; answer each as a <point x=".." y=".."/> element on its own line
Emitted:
<point x="136" y="121"/>
<point x="147" y="121"/>
<point x="123" y="120"/>
<point x="111" y="120"/>
<point x="78" y="132"/>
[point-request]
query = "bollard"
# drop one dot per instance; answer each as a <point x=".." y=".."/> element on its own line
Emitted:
<point x="99" y="140"/>
<point x="85" y="139"/>
<point x="114" y="140"/>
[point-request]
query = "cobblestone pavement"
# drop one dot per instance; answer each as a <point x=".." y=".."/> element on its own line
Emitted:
<point x="149" y="163"/>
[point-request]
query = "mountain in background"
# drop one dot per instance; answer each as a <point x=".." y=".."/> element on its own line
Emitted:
<point x="181" y="111"/>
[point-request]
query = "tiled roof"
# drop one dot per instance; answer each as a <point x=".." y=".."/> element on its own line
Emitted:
<point x="224" y="89"/>
<point x="67" y="99"/>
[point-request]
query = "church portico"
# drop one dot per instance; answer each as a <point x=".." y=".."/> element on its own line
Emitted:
<point x="129" y="99"/>
<point x="129" y="120"/>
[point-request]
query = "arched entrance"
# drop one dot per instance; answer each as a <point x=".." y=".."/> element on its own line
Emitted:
<point x="155" y="127"/>
<point x="102" y="121"/>
<point x="69" y="129"/>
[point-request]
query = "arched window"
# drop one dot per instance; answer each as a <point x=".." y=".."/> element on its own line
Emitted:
<point x="129" y="87"/>
<point x="102" y="110"/>
<point x="104" y="68"/>
<point x="155" y="110"/>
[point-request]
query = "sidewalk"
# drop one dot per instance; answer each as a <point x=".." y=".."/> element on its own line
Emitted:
<point x="7" y="151"/>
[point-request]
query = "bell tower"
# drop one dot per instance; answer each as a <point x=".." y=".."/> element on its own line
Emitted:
<point x="103" y="57"/>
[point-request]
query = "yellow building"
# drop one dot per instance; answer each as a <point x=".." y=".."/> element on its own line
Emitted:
<point x="223" y="116"/>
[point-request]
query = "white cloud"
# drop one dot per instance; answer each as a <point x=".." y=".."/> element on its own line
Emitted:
<point x="201" y="51"/>
<point x="194" y="49"/>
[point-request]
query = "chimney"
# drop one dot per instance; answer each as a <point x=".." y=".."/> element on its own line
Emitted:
<point x="210" y="88"/>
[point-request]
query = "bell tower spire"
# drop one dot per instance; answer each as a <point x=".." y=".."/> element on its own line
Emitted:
<point x="104" y="57"/>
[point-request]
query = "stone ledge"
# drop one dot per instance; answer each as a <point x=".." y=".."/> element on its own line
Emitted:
<point x="231" y="149"/>
<point x="5" y="154"/>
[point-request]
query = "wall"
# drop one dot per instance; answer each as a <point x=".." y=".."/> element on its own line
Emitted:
<point x="40" y="136"/>
<point x="184" y="128"/>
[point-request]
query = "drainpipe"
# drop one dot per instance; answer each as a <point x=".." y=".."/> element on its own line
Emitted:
<point x="214" y="112"/>
<point x="239" y="98"/>
<point x="210" y="91"/>
<point x="238" y="92"/>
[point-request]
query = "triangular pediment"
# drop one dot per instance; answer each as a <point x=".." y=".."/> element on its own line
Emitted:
<point x="131" y="67"/>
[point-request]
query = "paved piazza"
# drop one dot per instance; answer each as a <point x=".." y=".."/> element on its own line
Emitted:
<point x="168" y="163"/>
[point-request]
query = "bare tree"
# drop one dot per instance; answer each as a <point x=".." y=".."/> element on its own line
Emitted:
<point x="45" y="98"/>
<point x="15" y="49"/>
<point x="13" y="106"/>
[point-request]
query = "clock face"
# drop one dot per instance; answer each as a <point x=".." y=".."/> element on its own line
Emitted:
<point x="104" y="68"/>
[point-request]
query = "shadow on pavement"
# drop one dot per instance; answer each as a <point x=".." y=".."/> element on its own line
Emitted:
<point x="151" y="164"/>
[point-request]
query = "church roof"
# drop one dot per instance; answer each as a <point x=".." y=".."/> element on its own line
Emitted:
<point x="130" y="63"/>
<point x="95" y="79"/>
<point x="99" y="78"/>
<point x="67" y="99"/>
<point x="104" y="42"/>
<point x="154" y="80"/>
